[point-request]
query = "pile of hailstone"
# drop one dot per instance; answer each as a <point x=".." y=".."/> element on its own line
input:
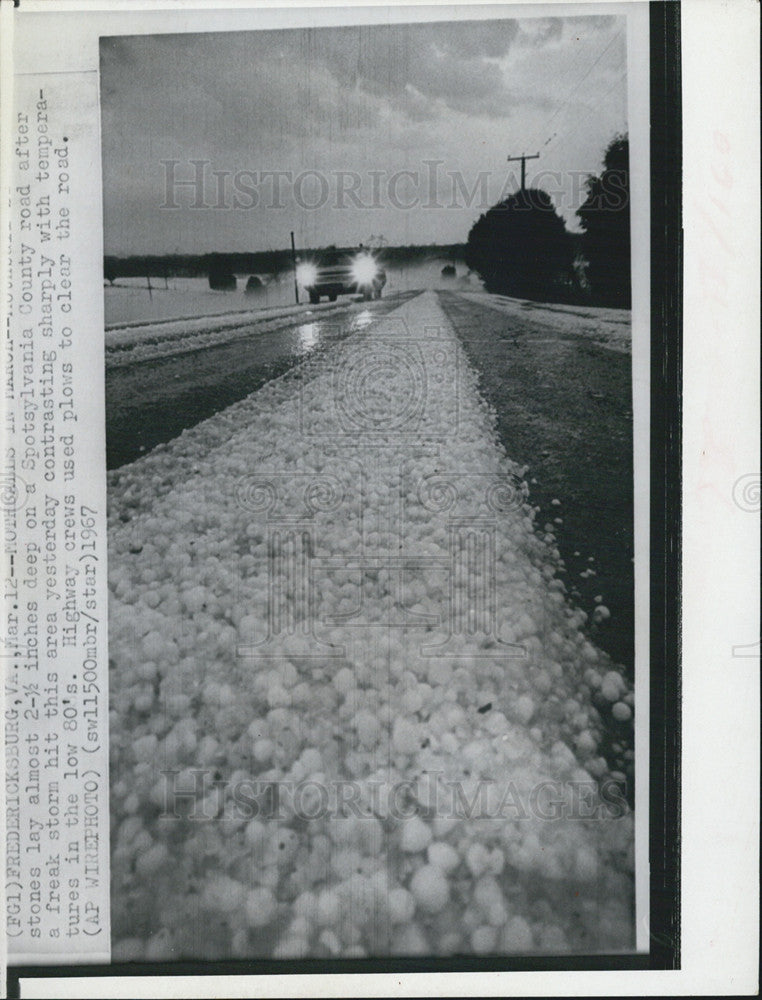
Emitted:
<point x="445" y="805"/>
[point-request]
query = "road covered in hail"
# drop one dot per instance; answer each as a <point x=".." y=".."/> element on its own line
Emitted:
<point x="354" y="711"/>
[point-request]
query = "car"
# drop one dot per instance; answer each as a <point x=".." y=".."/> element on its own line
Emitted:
<point x="335" y="272"/>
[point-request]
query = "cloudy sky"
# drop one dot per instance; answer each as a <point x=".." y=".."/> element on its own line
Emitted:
<point x="372" y="130"/>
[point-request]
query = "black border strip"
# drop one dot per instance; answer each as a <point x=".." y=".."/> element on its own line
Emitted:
<point x="666" y="482"/>
<point x="665" y="735"/>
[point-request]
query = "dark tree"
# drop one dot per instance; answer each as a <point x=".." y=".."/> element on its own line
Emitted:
<point x="605" y="219"/>
<point x="109" y="270"/>
<point x="521" y="247"/>
<point x="221" y="276"/>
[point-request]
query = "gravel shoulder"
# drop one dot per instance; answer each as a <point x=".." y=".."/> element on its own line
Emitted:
<point x="564" y="408"/>
<point x="607" y="328"/>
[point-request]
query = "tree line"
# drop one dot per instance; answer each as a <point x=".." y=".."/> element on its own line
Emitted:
<point x="262" y="262"/>
<point x="521" y="247"/>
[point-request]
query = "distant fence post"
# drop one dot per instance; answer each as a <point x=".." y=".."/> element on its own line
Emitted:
<point x="293" y="264"/>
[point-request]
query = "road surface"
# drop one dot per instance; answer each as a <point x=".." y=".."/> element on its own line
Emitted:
<point x="563" y="403"/>
<point x="151" y="400"/>
<point x="268" y="638"/>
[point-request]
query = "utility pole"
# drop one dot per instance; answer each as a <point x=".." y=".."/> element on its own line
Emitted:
<point x="523" y="159"/>
<point x="293" y="262"/>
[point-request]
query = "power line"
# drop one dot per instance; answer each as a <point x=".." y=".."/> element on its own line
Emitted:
<point x="580" y="60"/>
<point x="585" y="75"/>
<point x="579" y="83"/>
<point x="577" y="121"/>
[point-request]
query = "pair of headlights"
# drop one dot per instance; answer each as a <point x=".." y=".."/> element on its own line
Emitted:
<point x="363" y="270"/>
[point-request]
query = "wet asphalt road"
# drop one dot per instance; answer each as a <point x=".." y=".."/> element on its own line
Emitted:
<point x="564" y="409"/>
<point x="153" y="400"/>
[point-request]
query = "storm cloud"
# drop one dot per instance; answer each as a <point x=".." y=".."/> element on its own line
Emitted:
<point x="363" y="98"/>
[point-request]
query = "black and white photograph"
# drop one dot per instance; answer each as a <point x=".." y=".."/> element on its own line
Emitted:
<point x="380" y="498"/>
<point x="369" y="427"/>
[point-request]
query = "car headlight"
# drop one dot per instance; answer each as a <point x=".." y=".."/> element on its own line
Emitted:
<point x="306" y="274"/>
<point x="364" y="270"/>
